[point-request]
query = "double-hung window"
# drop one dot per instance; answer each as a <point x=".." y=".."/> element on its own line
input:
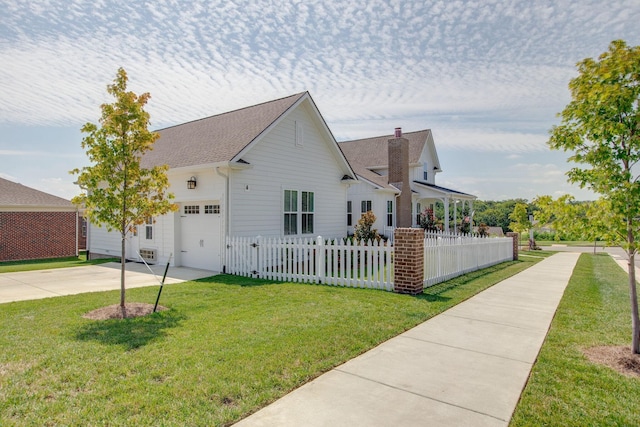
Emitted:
<point x="389" y="213"/>
<point x="298" y="209"/>
<point x="349" y="214"/>
<point x="148" y="228"/>
<point x="307" y="212"/>
<point x="365" y="206"/>
<point x="290" y="212"/>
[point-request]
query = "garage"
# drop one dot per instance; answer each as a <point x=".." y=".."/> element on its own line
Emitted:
<point x="200" y="236"/>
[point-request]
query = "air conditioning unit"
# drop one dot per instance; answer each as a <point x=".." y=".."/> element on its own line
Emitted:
<point x="149" y="255"/>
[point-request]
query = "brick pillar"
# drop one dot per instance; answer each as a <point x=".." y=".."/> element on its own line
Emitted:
<point x="516" y="243"/>
<point x="408" y="261"/>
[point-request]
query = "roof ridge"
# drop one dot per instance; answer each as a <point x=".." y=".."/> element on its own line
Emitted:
<point x="384" y="136"/>
<point x="299" y="94"/>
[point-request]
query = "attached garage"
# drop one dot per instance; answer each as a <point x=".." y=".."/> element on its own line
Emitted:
<point x="201" y="235"/>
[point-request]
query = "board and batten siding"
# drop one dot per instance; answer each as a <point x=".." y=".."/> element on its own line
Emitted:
<point x="278" y="164"/>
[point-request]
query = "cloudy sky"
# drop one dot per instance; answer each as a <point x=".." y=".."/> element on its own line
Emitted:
<point x="487" y="76"/>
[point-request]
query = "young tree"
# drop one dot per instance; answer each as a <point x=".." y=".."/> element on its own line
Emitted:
<point x="601" y="126"/>
<point x="120" y="193"/>
<point x="519" y="218"/>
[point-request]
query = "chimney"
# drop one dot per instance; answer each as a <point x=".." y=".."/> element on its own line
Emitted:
<point x="399" y="177"/>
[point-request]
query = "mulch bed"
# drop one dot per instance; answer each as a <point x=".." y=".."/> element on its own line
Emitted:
<point x="132" y="309"/>
<point x="619" y="358"/>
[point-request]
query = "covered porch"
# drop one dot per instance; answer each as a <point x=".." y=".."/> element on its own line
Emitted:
<point x="455" y="202"/>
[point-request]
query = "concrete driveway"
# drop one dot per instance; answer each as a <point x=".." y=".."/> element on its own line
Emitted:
<point x="39" y="284"/>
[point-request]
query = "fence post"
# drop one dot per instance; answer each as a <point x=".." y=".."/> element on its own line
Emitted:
<point x="408" y="265"/>
<point x="516" y="242"/>
<point x="320" y="259"/>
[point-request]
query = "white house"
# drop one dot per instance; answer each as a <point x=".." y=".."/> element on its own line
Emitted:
<point x="272" y="169"/>
<point x="370" y="159"/>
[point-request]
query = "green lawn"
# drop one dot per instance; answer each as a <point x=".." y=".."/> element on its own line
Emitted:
<point x="565" y="389"/>
<point x="566" y="243"/>
<point x="46" y="264"/>
<point x="227" y="346"/>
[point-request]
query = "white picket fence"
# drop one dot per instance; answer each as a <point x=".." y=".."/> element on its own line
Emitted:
<point x="341" y="262"/>
<point x="332" y="262"/>
<point x="449" y="255"/>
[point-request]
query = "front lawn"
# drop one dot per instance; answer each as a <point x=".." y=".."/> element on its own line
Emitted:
<point x="226" y="347"/>
<point x="49" y="263"/>
<point x="565" y="388"/>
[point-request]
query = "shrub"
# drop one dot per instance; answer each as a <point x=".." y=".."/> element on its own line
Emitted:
<point x="364" y="229"/>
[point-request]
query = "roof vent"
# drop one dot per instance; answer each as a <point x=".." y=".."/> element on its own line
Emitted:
<point x="398" y="133"/>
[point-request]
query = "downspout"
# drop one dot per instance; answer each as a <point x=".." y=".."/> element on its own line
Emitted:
<point x="226" y="216"/>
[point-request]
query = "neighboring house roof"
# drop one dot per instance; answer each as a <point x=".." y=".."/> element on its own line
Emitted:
<point x="14" y="195"/>
<point x="225" y="137"/>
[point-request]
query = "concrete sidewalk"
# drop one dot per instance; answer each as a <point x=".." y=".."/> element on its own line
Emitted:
<point x="28" y="285"/>
<point x="465" y="367"/>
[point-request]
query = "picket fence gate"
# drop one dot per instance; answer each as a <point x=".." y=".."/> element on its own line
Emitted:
<point x="344" y="262"/>
<point x="340" y="262"/>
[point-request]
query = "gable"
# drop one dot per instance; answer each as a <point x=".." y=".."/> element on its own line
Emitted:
<point x="217" y="138"/>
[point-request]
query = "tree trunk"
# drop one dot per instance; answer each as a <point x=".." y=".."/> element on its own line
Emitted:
<point x="635" y="320"/>
<point x="122" y="270"/>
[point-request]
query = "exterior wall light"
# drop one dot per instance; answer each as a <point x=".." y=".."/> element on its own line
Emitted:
<point x="191" y="183"/>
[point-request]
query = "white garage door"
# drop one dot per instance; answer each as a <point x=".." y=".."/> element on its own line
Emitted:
<point x="200" y="235"/>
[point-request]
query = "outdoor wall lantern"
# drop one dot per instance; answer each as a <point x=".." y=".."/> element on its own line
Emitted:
<point x="191" y="184"/>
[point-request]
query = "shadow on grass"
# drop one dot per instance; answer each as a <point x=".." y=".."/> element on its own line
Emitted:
<point x="228" y="279"/>
<point x="131" y="333"/>
<point x="434" y="293"/>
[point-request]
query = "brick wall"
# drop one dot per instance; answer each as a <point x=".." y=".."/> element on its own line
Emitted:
<point x="408" y="272"/>
<point x="32" y="235"/>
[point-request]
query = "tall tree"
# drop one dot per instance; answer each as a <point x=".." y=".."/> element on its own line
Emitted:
<point x="120" y="193"/>
<point x="601" y="127"/>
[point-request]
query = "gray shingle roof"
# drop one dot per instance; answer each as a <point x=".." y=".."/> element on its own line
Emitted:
<point x="13" y="194"/>
<point x="372" y="152"/>
<point x="217" y="138"/>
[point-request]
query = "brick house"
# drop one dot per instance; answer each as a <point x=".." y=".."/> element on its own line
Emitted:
<point x="34" y="224"/>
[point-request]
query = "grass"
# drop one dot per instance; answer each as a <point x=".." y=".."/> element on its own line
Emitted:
<point x="227" y="347"/>
<point x="567" y="243"/>
<point x="49" y="263"/>
<point x="565" y="389"/>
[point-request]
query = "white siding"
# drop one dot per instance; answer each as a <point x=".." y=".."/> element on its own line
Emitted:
<point x="364" y="191"/>
<point x="278" y="164"/>
<point x="103" y="242"/>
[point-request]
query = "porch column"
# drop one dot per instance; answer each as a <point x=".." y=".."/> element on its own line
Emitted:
<point x="446" y="215"/>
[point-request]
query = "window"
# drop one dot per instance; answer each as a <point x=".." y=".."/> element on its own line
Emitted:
<point x="303" y="212"/>
<point x="290" y="212"/>
<point x="192" y="209"/>
<point x="211" y="209"/>
<point x="349" y="215"/>
<point x="84" y="227"/>
<point x="418" y="211"/>
<point x="148" y="228"/>
<point x="365" y="206"/>
<point x="307" y="212"/>
<point x="425" y="173"/>
<point x="389" y="213"/>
